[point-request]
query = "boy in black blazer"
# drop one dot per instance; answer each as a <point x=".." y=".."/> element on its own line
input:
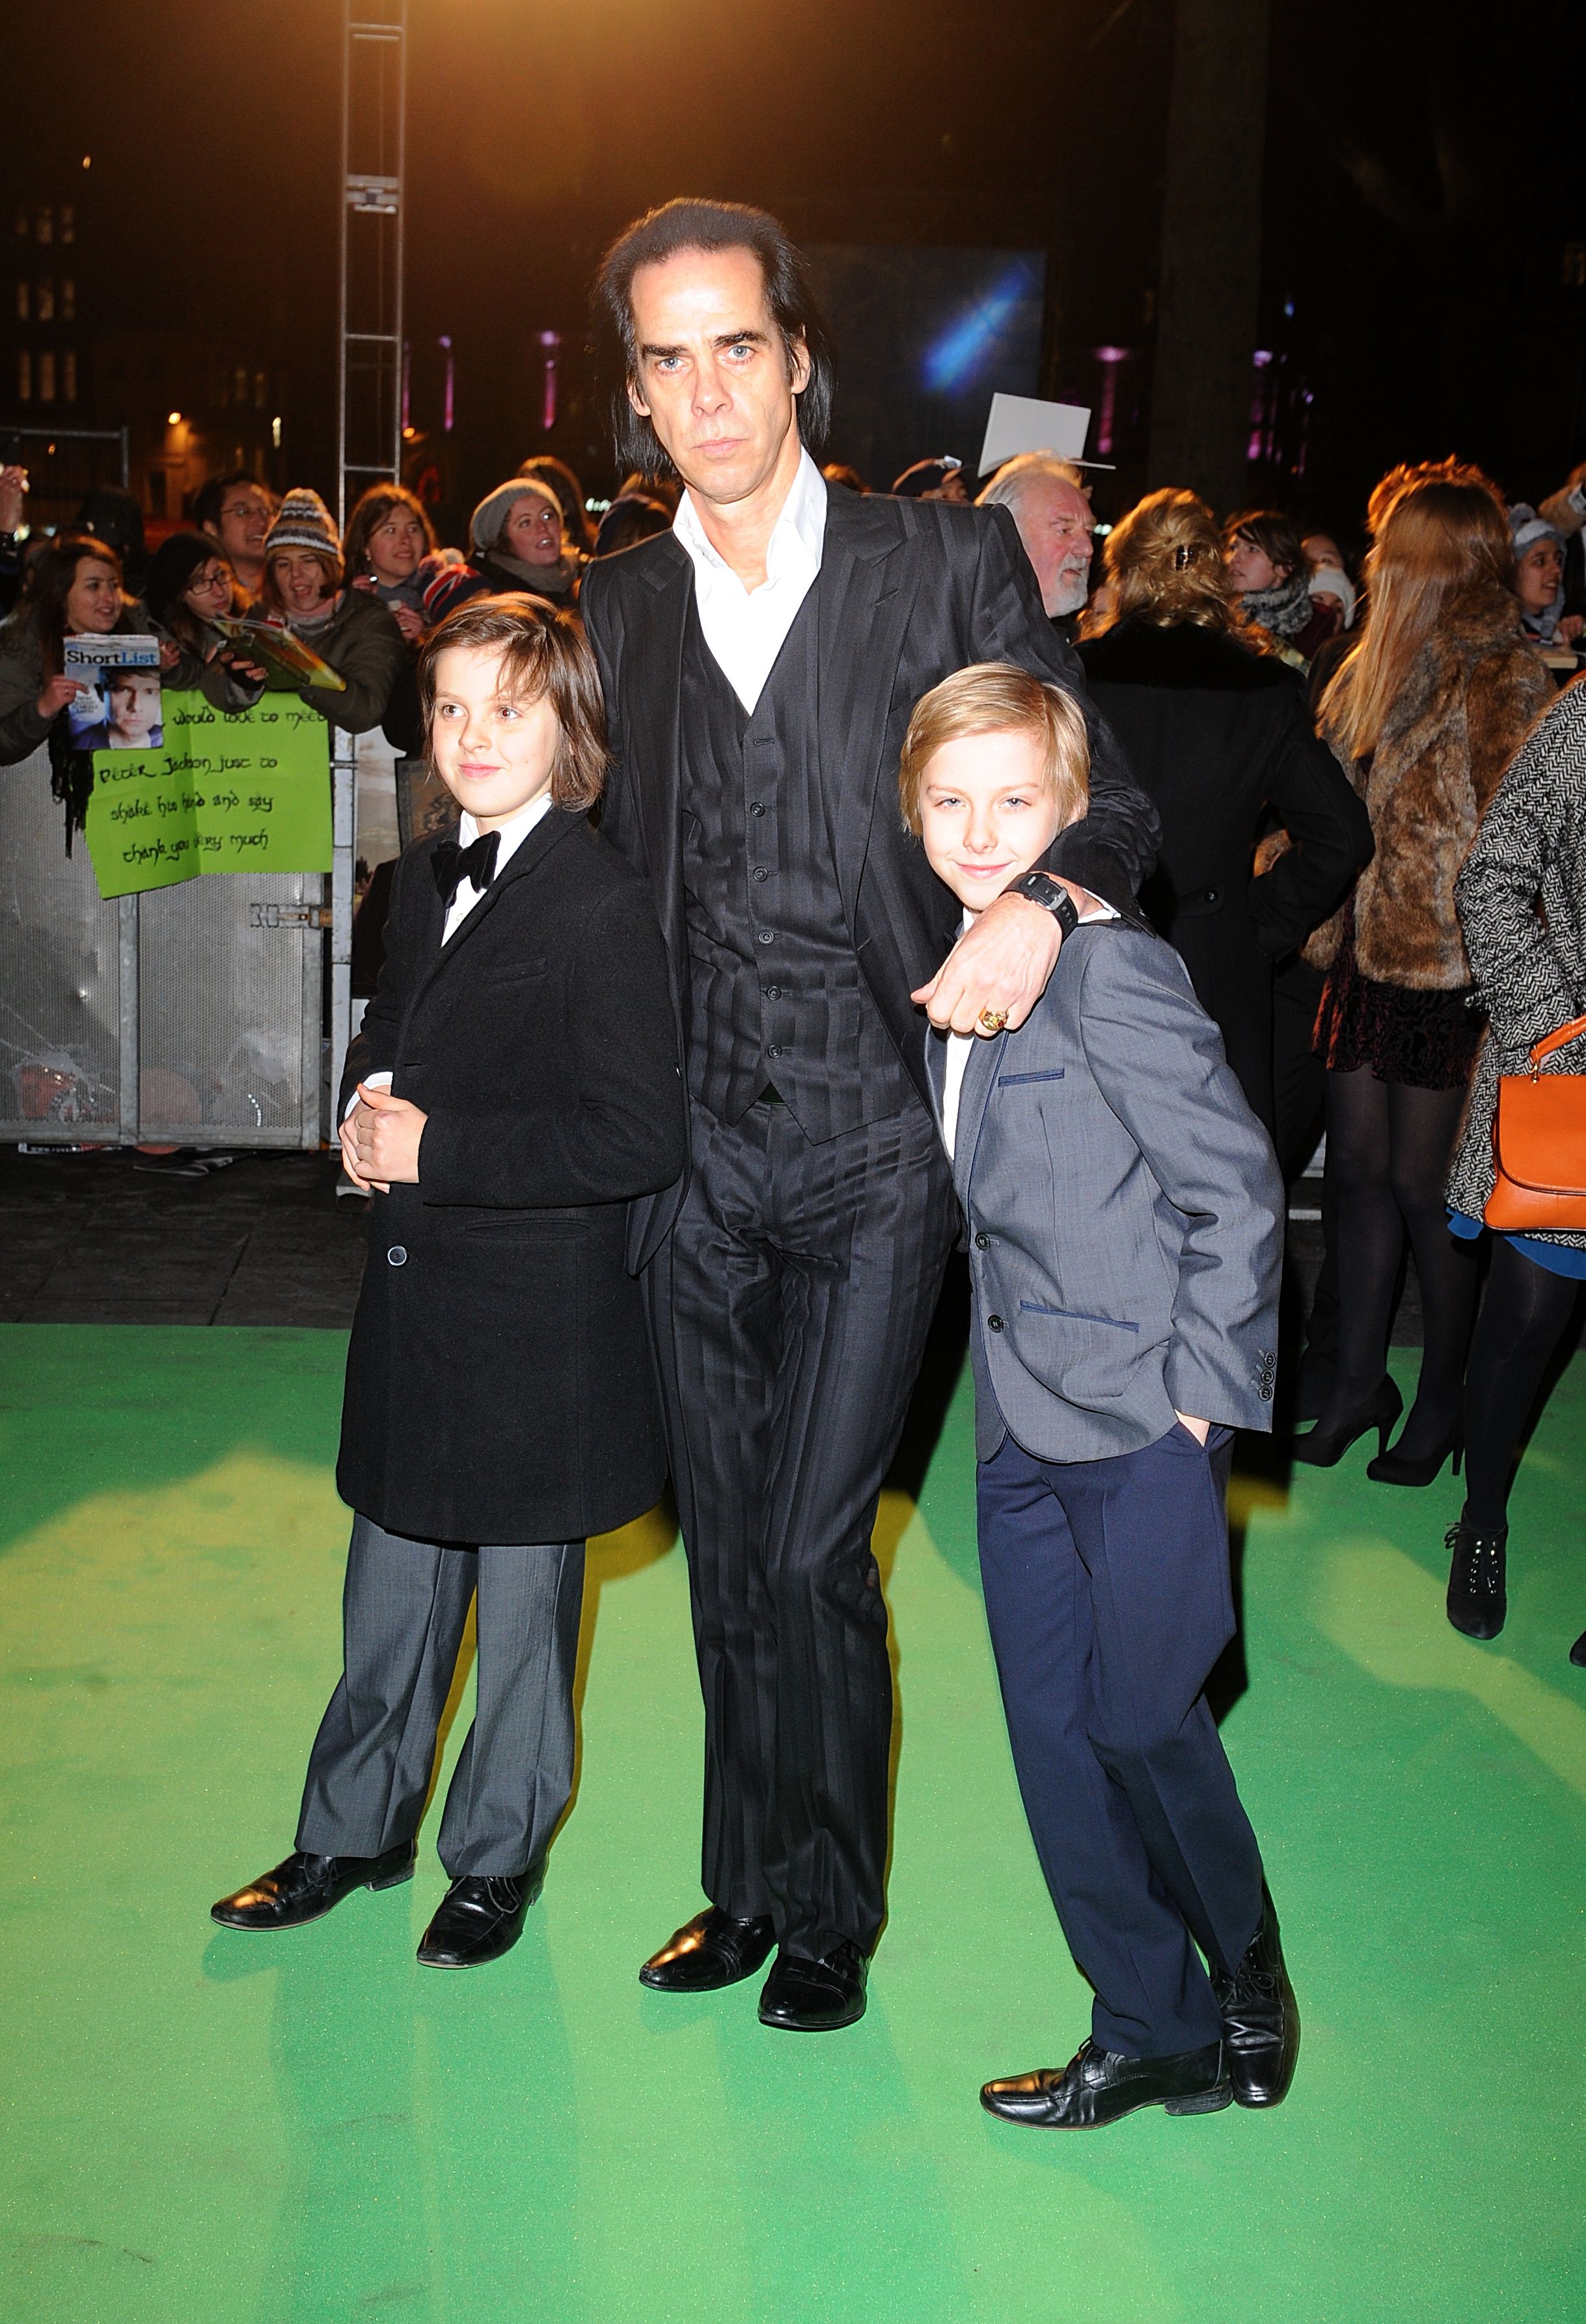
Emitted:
<point x="514" y="1087"/>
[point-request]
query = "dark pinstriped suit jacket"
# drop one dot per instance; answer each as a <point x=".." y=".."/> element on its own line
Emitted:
<point x="909" y="592"/>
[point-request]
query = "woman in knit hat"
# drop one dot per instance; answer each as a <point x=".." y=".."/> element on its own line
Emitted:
<point x="347" y="628"/>
<point x="517" y="540"/>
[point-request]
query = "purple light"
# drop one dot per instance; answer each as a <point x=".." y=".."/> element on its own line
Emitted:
<point x="449" y="411"/>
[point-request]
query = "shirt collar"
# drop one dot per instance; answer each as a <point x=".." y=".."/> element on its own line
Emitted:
<point x="512" y="833"/>
<point x="796" y="539"/>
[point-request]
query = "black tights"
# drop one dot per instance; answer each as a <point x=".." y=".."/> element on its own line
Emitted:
<point x="1525" y="1312"/>
<point x="1388" y="1147"/>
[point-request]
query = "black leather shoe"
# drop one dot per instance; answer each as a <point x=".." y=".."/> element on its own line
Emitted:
<point x="478" y="1919"/>
<point x="1324" y="1447"/>
<point x="1400" y="1468"/>
<point x="709" y="1952"/>
<point x="1478" y="1595"/>
<point x="1098" y="2087"/>
<point x="814" y="1997"/>
<point x="1260" y="2020"/>
<point x="303" y="1888"/>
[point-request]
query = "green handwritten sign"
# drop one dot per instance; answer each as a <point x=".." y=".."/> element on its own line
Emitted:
<point x="228" y="790"/>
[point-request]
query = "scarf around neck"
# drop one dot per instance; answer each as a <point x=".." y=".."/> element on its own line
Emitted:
<point x="1285" y="609"/>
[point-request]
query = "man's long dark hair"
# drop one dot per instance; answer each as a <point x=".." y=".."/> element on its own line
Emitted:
<point x="707" y="225"/>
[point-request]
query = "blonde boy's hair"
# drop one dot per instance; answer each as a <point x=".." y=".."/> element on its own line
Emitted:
<point x="997" y="697"/>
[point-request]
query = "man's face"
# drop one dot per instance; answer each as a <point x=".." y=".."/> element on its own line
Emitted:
<point x="712" y="373"/>
<point x="245" y="519"/>
<point x="1055" y="524"/>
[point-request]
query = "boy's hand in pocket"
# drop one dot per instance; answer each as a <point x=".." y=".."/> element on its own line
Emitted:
<point x="1199" y="1429"/>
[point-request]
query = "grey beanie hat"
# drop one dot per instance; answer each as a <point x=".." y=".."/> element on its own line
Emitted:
<point x="489" y="519"/>
<point x="1526" y="528"/>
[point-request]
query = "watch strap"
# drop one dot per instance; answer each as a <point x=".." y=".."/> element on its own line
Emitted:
<point x="1051" y="897"/>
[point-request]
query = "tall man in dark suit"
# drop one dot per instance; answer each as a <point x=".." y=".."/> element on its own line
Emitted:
<point x="761" y="661"/>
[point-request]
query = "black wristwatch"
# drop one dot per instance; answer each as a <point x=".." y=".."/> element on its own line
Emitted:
<point x="1050" y="895"/>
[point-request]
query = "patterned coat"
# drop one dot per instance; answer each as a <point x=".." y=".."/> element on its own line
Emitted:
<point x="1522" y="904"/>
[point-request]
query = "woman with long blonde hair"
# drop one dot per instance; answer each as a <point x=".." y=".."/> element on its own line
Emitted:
<point x="1427" y="710"/>
<point x="1217" y="734"/>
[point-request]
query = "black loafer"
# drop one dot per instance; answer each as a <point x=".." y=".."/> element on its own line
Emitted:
<point x="479" y="1918"/>
<point x="711" y="1950"/>
<point x="814" y="1997"/>
<point x="303" y="1888"/>
<point x="1098" y="2087"/>
<point x="1260" y="2020"/>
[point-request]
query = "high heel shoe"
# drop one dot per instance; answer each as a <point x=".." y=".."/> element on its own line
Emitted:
<point x="1397" y="1467"/>
<point x="1478" y="1601"/>
<point x="1578" y="1652"/>
<point x="1323" y="1448"/>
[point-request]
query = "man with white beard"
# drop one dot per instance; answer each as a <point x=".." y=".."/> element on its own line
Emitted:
<point x="1055" y="522"/>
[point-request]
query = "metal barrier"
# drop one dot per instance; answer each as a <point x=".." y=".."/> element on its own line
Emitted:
<point x="189" y="1016"/>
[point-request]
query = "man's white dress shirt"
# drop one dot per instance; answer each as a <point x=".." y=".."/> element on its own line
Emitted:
<point x="961" y="1045"/>
<point x="745" y="628"/>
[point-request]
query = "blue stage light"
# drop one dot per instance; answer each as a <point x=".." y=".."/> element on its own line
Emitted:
<point x="952" y="362"/>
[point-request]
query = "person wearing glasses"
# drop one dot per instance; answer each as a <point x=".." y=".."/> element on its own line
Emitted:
<point x="236" y="514"/>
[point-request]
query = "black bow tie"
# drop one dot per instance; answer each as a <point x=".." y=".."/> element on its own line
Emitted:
<point x="453" y="864"/>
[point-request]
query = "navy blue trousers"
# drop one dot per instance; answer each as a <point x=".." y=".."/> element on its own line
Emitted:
<point x="1107" y="1594"/>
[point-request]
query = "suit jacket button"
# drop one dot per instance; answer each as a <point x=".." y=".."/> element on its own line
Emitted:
<point x="982" y="1242"/>
<point x="396" y="1256"/>
<point x="1265" y="1393"/>
<point x="994" y="1323"/>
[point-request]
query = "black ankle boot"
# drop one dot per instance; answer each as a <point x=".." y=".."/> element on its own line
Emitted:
<point x="1476" y="1600"/>
<point x="1325" y="1445"/>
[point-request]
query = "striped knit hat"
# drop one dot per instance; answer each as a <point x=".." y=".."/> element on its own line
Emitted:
<point x="303" y="522"/>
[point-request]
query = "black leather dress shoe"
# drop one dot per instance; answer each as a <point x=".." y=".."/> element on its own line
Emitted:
<point x="1260" y="2021"/>
<point x="304" y="1888"/>
<point x="711" y="1950"/>
<point x="814" y="1997"/>
<point x="479" y="1918"/>
<point x="1098" y="2087"/>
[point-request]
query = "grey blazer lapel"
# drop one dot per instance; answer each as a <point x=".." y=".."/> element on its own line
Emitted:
<point x="979" y="1078"/>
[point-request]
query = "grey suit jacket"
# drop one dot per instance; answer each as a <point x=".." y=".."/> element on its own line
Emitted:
<point x="1125" y="1212"/>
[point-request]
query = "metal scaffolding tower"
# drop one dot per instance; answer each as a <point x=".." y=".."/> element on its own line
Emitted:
<point x="369" y="377"/>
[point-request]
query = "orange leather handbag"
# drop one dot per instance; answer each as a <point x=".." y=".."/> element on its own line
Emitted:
<point x="1539" y="1146"/>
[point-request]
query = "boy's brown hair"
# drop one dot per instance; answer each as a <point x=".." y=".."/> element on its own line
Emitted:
<point x="543" y="651"/>
<point x="997" y="697"/>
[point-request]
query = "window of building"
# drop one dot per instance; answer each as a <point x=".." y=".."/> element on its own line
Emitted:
<point x="24" y="375"/>
<point x="69" y="374"/>
<point x="67" y="223"/>
<point x="67" y="300"/>
<point x="46" y="375"/>
<point x="46" y="300"/>
<point x="44" y="225"/>
<point x="258" y="390"/>
<point x="21" y="217"/>
<point x="21" y="303"/>
<point x="240" y="384"/>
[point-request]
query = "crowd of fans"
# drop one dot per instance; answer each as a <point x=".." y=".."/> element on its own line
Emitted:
<point x="1373" y="807"/>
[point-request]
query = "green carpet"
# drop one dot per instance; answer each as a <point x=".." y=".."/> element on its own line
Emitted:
<point x="200" y="2125"/>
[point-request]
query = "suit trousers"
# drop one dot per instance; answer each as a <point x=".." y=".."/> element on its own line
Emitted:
<point x="790" y="1306"/>
<point x="403" y="1614"/>
<point x="1108" y="1598"/>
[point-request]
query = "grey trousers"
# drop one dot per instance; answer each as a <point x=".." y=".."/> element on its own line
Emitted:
<point x="403" y="1614"/>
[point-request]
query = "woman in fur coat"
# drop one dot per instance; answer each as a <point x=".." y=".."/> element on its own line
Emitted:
<point x="1427" y="712"/>
<point x="1522" y="905"/>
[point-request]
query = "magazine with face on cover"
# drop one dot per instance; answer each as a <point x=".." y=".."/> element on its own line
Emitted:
<point x="116" y="706"/>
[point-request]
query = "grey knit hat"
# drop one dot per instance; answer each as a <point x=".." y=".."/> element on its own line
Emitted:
<point x="489" y="519"/>
<point x="1526" y="528"/>
<point x="303" y="522"/>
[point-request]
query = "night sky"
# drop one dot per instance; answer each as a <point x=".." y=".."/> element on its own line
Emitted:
<point x="1424" y="174"/>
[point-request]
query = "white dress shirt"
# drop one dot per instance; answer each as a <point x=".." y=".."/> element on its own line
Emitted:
<point x="513" y="833"/>
<point x="961" y="1045"/>
<point x="745" y="628"/>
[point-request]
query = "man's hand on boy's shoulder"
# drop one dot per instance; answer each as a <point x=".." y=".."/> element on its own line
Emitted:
<point x="999" y="968"/>
<point x="380" y="1139"/>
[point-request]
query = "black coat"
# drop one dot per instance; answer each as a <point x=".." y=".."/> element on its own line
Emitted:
<point x="498" y="1384"/>
<point x="1218" y="736"/>
<point x="909" y="592"/>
